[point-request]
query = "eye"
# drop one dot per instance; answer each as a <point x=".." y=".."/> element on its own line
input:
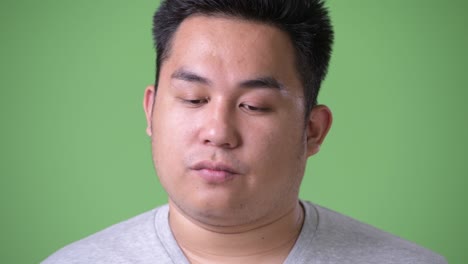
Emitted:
<point x="252" y="108"/>
<point x="195" y="102"/>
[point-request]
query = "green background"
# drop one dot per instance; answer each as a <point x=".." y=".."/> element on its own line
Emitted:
<point x="75" y="157"/>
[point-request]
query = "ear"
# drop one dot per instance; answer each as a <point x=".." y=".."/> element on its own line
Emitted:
<point x="148" y="102"/>
<point x="318" y="125"/>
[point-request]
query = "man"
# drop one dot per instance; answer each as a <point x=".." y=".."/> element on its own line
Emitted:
<point x="233" y="118"/>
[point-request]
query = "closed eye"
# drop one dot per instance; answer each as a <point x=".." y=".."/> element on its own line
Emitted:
<point x="195" y="102"/>
<point x="254" y="108"/>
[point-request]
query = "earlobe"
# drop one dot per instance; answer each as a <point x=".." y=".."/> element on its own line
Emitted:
<point x="148" y="102"/>
<point x="318" y="125"/>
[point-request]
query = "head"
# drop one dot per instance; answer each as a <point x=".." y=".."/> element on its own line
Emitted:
<point x="235" y="80"/>
<point x="306" y="22"/>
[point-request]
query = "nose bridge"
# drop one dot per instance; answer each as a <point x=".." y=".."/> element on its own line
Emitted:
<point x="220" y="111"/>
<point x="220" y="126"/>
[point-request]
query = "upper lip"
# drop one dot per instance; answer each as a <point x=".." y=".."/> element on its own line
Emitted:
<point x="217" y="166"/>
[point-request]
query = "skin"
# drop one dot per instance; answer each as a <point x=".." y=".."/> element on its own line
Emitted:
<point x="229" y="140"/>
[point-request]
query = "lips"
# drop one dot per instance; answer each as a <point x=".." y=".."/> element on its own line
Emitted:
<point x="215" y="172"/>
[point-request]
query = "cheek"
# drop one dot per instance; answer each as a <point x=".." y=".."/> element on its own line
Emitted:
<point x="279" y="149"/>
<point x="170" y="138"/>
<point x="170" y="124"/>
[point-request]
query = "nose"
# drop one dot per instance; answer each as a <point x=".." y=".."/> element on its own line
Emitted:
<point x="220" y="127"/>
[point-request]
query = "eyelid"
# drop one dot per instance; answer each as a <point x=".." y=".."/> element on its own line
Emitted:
<point x="194" y="101"/>
<point x="254" y="108"/>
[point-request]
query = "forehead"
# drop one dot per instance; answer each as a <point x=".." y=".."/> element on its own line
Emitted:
<point x="230" y="49"/>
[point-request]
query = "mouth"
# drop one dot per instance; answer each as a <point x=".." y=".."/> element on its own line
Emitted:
<point x="215" y="172"/>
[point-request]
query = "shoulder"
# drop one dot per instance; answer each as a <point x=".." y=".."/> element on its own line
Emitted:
<point x="125" y="242"/>
<point x="345" y="238"/>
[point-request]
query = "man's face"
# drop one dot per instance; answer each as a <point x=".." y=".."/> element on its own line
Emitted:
<point x="228" y="135"/>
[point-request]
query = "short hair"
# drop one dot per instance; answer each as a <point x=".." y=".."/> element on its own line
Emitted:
<point x="306" y="22"/>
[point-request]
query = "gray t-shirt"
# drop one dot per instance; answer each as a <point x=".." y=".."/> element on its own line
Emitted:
<point x="326" y="237"/>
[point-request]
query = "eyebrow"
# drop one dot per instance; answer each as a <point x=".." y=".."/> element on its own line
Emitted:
<point x="188" y="76"/>
<point x="260" y="82"/>
<point x="263" y="82"/>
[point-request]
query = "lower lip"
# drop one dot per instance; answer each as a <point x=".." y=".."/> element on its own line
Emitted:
<point x="215" y="176"/>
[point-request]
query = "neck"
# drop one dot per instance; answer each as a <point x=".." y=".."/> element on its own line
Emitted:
<point x="268" y="240"/>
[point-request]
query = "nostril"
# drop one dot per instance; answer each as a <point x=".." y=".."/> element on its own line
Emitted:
<point x="227" y="141"/>
<point x="220" y="131"/>
<point x="216" y="143"/>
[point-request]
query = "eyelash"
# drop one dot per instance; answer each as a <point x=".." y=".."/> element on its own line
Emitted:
<point x="254" y="108"/>
<point x="195" y="102"/>
<point x="199" y="102"/>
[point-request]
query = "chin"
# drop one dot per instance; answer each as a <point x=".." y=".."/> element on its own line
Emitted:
<point x="218" y="212"/>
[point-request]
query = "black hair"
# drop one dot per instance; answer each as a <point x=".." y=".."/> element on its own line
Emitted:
<point x="305" y="21"/>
